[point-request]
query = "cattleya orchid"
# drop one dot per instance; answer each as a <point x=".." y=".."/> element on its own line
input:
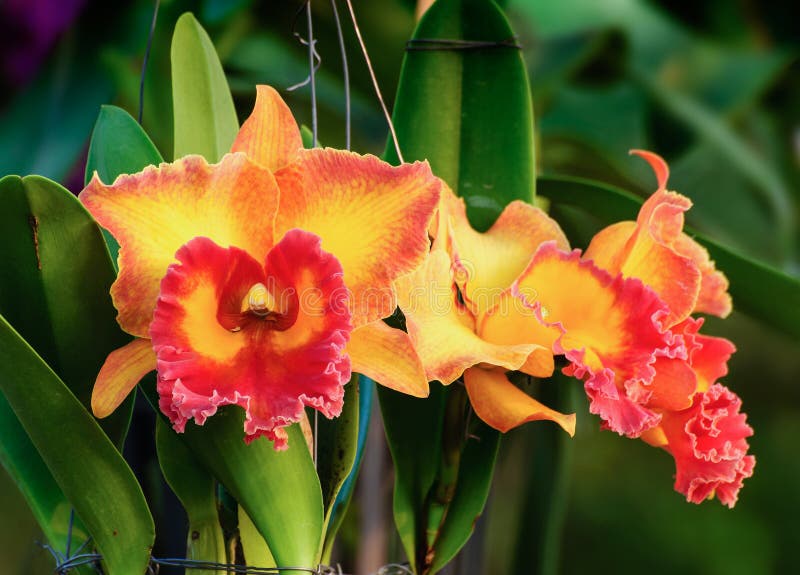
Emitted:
<point x="262" y="280"/>
<point x="486" y="304"/>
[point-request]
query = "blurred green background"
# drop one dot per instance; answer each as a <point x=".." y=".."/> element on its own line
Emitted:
<point x="712" y="86"/>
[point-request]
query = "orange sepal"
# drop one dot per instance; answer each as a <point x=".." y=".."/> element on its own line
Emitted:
<point x="442" y="330"/>
<point x="656" y="251"/>
<point x="503" y="406"/>
<point x="374" y="217"/>
<point x="153" y="213"/>
<point x="713" y="298"/>
<point x="122" y="370"/>
<point x="270" y="135"/>
<point x="387" y="356"/>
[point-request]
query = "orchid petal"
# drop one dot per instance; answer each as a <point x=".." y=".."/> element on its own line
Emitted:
<point x="387" y="356"/>
<point x="709" y="444"/>
<point x="443" y="331"/>
<point x="122" y="370"/>
<point x="611" y="328"/>
<point x="213" y="351"/>
<point x="488" y="263"/>
<point x="373" y="216"/>
<point x="152" y="213"/>
<point x="504" y="406"/>
<point x="270" y="135"/>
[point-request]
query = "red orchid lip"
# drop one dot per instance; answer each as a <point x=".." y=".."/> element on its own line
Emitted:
<point x="229" y="330"/>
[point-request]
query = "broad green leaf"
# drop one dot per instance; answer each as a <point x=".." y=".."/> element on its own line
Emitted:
<point x="337" y="444"/>
<point x="758" y="290"/>
<point x="196" y="489"/>
<point x="468" y="112"/>
<point x="278" y="490"/>
<point x="205" y="118"/>
<point x="55" y="273"/>
<point x="366" y="393"/>
<point x="26" y="467"/>
<point x="84" y="463"/>
<point x="118" y="146"/>
<point x="256" y="551"/>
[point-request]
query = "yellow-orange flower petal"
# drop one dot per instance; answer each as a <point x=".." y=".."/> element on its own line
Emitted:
<point x="488" y="263"/>
<point x="122" y="370"/>
<point x="612" y="330"/>
<point x="713" y="298"/>
<point x="503" y="406"/>
<point x="442" y="330"/>
<point x="374" y="217"/>
<point x="152" y="213"/>
<point x="387" y="356"/>
<point x="649" y="253"/>
<point x="513" y="322"/>
<point x="270" y="135"/>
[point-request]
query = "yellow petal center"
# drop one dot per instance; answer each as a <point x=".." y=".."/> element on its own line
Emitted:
<point x="258" y="300"/>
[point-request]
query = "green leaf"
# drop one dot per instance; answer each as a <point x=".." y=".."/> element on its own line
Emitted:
<point x="196" y="489"/>
<point x="471" y="491"/>
<point x="337" y="443"/>
<point x="84" y="463"/>
<point x="256" y="551"/>
<point x="413" y="431"/>
<point x="205" y="118"/>
<point x="279" y="490"/>
<point x="366" y="393"/>
<point x="26" y="467"/>
<point x="468" y="112"/>
<point x="55" y="274"/>
<point x="118" y="146"/>
<point x="758" y="290"/>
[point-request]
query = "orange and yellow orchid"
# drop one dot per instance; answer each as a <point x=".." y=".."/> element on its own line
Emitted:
<point x="697" y="420"/>
<point x="513" y="297"/>
<point x="262" y="280"/>
<point x="485" y="304"/>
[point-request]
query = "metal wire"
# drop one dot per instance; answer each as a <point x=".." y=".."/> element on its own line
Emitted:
<point x="375" y="85"/>
<point x="345" y="74"/>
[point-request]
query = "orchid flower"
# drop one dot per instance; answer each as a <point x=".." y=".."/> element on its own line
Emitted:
<point x="683" y="408"/>
<point x="510" y="299"/>
<point x="262" y="281"/>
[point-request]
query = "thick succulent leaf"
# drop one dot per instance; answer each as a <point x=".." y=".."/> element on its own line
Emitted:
<point x="468" y="112"/>
<point x="197" y="491"/>
<point x="765" y="293"/>
<point x="205" y="118"/>
<point x="82" y="460"/>
<point x="337" y="513"/>
<point x="279" y="490"/>
<point x="118" y="146"/>
<point x="26" y="467"/>
<point x="55" y="273"/>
